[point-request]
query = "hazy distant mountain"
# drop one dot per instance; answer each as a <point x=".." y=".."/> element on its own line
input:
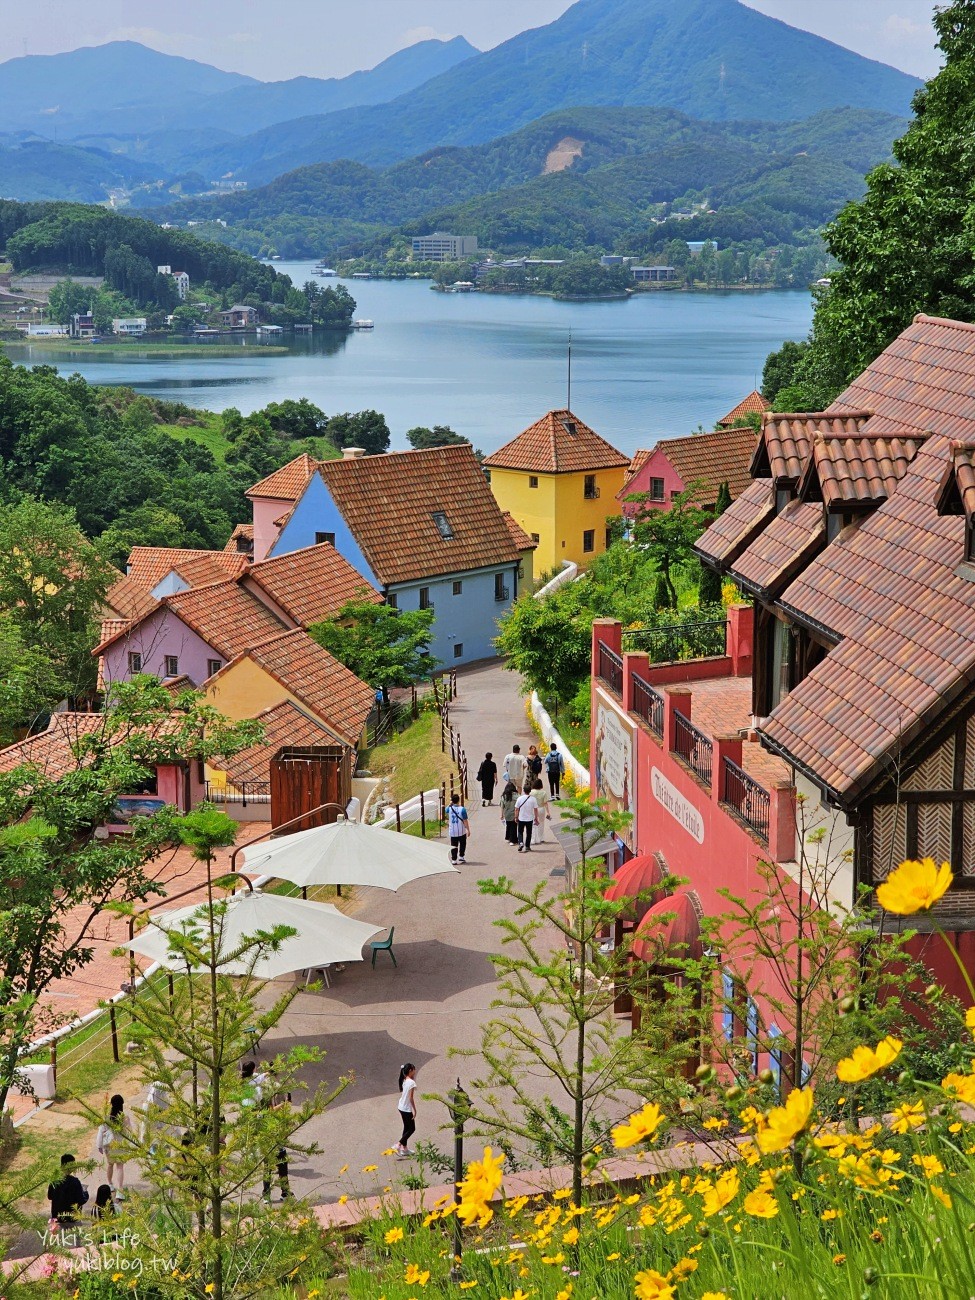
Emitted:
<point x="118" y="86"/>
<point x="712" y="59"/>
<point x="40" y="169"/>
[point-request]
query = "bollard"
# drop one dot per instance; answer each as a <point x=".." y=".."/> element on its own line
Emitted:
<point x="399" y="824"/>
<point x="423" y="819"/>
<point x="113" y="1023"/>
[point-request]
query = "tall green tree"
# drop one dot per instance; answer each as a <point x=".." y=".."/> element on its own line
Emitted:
<point x="666" y="536"/>
<point x="366" y="429"/>
<point x="383" y="646"/>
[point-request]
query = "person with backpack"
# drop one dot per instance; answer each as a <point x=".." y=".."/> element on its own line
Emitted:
<point x="509" y="813"/>
<point x="458" y="828"/>
<point x="487" y="774"/>
<point x="554" y="770"/>
<point x="533" y="764"/>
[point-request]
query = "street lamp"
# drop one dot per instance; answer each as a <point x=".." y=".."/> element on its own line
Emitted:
<point x="460" y="1108"/>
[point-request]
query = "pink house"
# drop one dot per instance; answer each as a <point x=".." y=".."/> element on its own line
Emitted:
<point x="674" y="464"/>
<point x="274" y="497"/>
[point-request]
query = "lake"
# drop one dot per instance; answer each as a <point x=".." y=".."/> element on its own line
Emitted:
<point x="654" y="366"/>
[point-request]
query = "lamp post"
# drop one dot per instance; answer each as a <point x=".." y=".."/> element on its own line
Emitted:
<point x="460" y="1107"/>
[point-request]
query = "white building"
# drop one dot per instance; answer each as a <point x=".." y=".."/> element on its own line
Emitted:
<point x="653" y="274"/>
<point x="46" y="331"/>
<point x="181" y="277"/>
<point x="130" y="326"/>
<point x="441" y="247"/>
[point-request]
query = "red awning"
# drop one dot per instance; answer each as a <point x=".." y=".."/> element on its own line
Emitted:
<point x="637" y="876"/>
<point x="670" y="928"/>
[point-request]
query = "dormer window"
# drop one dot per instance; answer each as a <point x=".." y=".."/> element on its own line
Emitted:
<point x="443" y="525"/>
<point x="970" y="540"/>
<point x="783" y="495"/>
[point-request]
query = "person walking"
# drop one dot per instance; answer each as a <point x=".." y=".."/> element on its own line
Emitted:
<point x="487" y="774"/>
<point x="111" y="1141"/>
<point x="67" y="1194"/>
<point x="458" y="828"/>
<point x="509" y="812"/>
<point x="407" y="1107"/>
<point x="527" y="806"/>
<point x="514" y="767"/>
<point x="543" y="799"/>
<point x="554" y="770"/>
<point x="533" y="763"/>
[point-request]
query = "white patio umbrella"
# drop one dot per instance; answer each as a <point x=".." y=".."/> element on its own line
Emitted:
<point x="324" y="934"/>
<point x="346" y="853"/>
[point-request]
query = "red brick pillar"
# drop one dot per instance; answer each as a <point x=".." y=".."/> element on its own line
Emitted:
<point x="740" y="639"/>
<point x="610" y="632"/>
<point x="782" y="823"/>
<point x="632" y="663"/>
<point x="722" y="747"/>
<point x="677" y="699"/>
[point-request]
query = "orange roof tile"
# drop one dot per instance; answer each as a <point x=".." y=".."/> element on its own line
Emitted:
<point x="391" y="502"/>
<point x="204" y="569"/>
<point x="127" y="599"/>
<point x="327" y="688"/>
<point x="521" y="539"/>
<point x="52" y="751"/>
<point x="558" y="443"/>
<point x="284" y="725"/>
<point x="640" y="458"/>
<point x="148" y="565"/>
<point x="288" y="482"/>
<point x="731" y="532"/>
<point x="310" y="585"/>
<point x="781" y="549"/>
<point x="753" y="404"/>
<point x="712" y="459"/>
<point x="241" y="537"/>
<point x="964" y="462"/>
<point x="857" y="470"/>
<point x="785" y="443"/>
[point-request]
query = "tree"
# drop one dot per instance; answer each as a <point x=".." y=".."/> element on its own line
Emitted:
<point x="366" y="429"/>
<point x="185" y="317"/>
<point x="52" y="586"/>
<point x="441" y="435"/>
<point x="554" y="1017"/>
<point x="232" y="423"/>
<point x="549" y="642"/>
<point x="668" y="535"/>
<point x="143" y="526"/>
<point x="28" y="678"/>
<point x="56" y="873"/>
<point x="383" y="646"/>
<point x="296" y="419"/>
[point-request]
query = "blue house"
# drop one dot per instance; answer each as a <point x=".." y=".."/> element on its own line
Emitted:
<point x="424" y="528"/>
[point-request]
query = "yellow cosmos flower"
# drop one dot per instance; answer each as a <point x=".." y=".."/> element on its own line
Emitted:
<point x="866" y="1061"/>
<point x="761" y="1204"/>
<point x="571" y="1237"/>
<point x="343" y="1198"/>
<point x="715" y="1295"/>
<point x="961" y="1086"/>
<point x="394" y="1234"/>
<point x="931" y="1165"/>
<point x="516" y="1205"/>
<point x="468" y="1286"/>
<point x="415" y="1276"/>
<point x="914" y="887"/>
<point x="565" y="1293"/>
<point x="783" y="1124"/>
<point x="714" y="1124"/>
<point x="369" y="1169"/>
<point x="651" y="1285"/>
<point x="722" y="1193"/>
<point x="907" y="1116"/>
<point x="683" y="1268"/>
<point x="639" y="1127"/>
<point x="940" y="1194"/>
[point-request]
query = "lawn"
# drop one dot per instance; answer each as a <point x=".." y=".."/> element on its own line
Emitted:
<point x="209" y="434"/>
<point x="412" y="760"/>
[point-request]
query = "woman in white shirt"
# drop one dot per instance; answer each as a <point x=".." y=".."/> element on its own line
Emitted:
<point x="407" y="1107"/>
<point x="543" y="799"/>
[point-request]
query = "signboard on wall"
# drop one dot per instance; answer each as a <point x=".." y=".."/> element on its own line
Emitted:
<point x="681" y="809"/>
<point x="614" y="761"/>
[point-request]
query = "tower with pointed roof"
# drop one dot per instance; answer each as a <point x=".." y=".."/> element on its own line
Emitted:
<point x="559" y="479"/>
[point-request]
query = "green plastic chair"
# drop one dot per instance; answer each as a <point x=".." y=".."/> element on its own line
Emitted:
<point x="384" y="945"/>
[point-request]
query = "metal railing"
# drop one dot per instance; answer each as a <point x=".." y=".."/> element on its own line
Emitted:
<point x="244" y="793"/>
<point x="647" y="704"/>
<point x="502" y="593"/>
<point x="610" y="667"/>
<point x="746" y="798"/>
<point x="693" y="746"/>
<point x="674" y="641"/>
<point x="591" y="494"/>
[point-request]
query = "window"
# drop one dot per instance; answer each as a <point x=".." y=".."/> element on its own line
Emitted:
<point x="501" y="590"/>
<point x="329" y="538"/>
<point x="135" y="662"/>
<point x="533" y="480"/>
<point x="536" y="538"/>
<point x="776" y="1058"/>
<point x="425" y="601"/>
<point x="458" y="649"/>
<point x="728" y="1007"/>
<point x="214" y="666"/>
<point x="751" y="1031"/>
<point x="656" y="489"/>
<point x="172" y="666"/>
<point x="590" y="491"/>
<point x="458" y="588"/>
<point x="589" y="541"/>
<point x="781" y="677"/>
<point x="391" y="600"/>
<point x="609" y="538"/>
<point x="443" y="525"/>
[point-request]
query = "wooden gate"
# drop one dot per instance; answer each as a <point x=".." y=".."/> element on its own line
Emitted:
<point x="303" y="779"/>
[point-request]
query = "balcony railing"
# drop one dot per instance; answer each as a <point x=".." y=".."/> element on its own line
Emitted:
<point x="610" y="668"/>
<point x="243" y="794"/>
<point x="502" y="593"/>
<point x="648" y="704"/>
<point x="695" y="639"/>
<point x="747" y="798"/>
<point x="693" y="746"/>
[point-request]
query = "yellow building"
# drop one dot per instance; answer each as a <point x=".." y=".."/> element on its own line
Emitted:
<point x="559" y="480"/>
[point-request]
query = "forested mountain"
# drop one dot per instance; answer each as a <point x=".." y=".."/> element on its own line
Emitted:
<point x="790" y="176"/>
<point x="712" y="59"/>
<point x="40" y="169"/>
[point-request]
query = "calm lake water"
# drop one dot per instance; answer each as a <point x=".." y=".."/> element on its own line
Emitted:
<point x="657" y="365"/>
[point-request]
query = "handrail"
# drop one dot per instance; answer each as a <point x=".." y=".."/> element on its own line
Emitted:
<point x="647" y="704"/>
<point x="693" y="746"/>
<point x="749" y="800"/>
<point x="671" y="642"/>
<point x="610" y="667"/>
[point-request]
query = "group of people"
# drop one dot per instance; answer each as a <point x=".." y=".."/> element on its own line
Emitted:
<point x="68" y="1195"/>
<point x="525" y="803"/>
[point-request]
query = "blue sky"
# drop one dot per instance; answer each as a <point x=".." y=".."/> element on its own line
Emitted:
<point x="274" y="39"/>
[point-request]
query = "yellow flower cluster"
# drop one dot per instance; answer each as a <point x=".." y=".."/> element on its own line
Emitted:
<point x="783" y="1124"/>
<point x="483" y="1179"/>
<point x="865" y="1061"/>
<point x="639" y="1127"/>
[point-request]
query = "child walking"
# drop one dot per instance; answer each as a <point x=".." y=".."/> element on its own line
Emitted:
<point x="407" y="1107"/>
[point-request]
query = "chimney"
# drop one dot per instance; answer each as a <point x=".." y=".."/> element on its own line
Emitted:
<point x="353" y="453"/>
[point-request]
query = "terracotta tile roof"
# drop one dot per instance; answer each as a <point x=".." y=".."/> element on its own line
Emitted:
<point x="128" y="598"/>
<point x="558" y="443"/>
<point x="226" y="617"/>
<point x="924" y="381"/>
<point x="204" y="569"/>
<point x="786" y="441"/>
<point x="310" y="585"/>
<point x="243" y="533"/>
<point x="640" y="458"/>
<point x="893" y="590"/>
<point x="284" y="725"/>
<point x="325" y="687"/>
<point x="722" y="706"/>
<point x="713" y="459"/>
<point x="753" y="404"/>
<point x="521" y="539"/>
<point x="52" y="750"/>
<point x="781" y="550"/>
<point x="389" y="503"/>
<point x="148" y="565"/>
<point x="731" y="532"/>
<point x="857" y="470"/>
<point x="288" y="482"/>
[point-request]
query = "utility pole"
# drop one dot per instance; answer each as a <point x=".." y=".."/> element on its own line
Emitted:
<point x="568" y="390"/>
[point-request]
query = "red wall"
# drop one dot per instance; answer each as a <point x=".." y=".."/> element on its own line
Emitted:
<point x="658" y="466"/>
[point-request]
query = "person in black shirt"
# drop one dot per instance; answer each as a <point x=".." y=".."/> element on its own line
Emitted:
<point x="487" y="774"/>
<point x="67" y="1195"/>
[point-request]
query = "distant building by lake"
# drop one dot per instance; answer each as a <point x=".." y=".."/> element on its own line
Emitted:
<point x="442" y="247"/>
<point x="653" y="274"/>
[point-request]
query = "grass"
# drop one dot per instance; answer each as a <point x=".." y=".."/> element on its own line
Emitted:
<point x="412" y="760"/>
<point x="165" y="351"/>
<point x="208" y="434"/>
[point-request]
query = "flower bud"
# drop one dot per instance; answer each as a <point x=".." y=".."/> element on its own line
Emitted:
<point x="847" y="1005"/>
<point x="766" y="1077"/>
<point x="905" y="1078"/>
<point x="933" y="992"/>
<point x="732" y="1093"/>
<point x="704" y="1072"/>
